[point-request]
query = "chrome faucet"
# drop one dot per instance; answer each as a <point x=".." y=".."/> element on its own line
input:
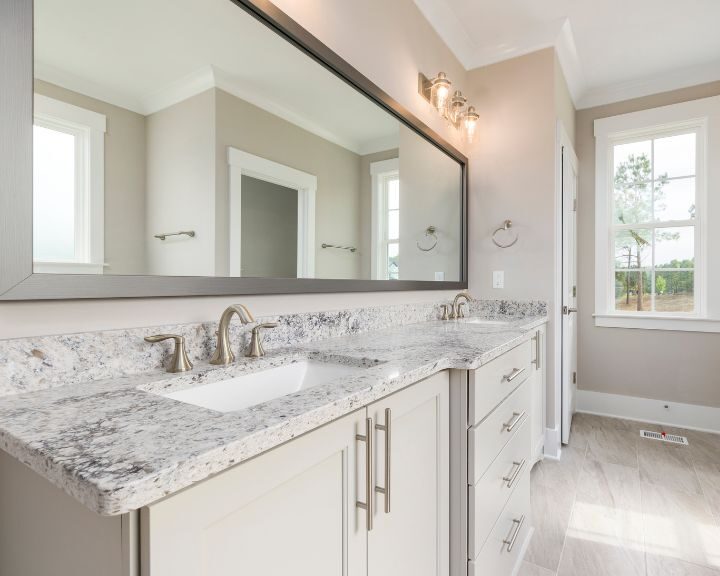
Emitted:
<point x="456" y="310"/>
<point x="223" y="354"/>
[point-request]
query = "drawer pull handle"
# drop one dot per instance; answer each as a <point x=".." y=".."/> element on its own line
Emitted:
<point x="387" y="428"/>
<point x="518" y="526"/>
<point x="517" y="467"/>
<point x="514" y="374"/>
<point x="367" y="505"/>
<point x="517" y="417"/>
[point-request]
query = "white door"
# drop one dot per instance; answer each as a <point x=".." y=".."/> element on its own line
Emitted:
<point x="291" y="510"/>
<point x="411" y="531"/>
<point x="569" y="285"/>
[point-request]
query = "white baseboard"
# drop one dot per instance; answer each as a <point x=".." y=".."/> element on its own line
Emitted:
<point x="691" y="416"/>
<point x="553" y="446"/>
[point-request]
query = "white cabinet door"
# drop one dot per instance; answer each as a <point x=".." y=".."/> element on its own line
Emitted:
<point x="413" y="536"/>
<point x="289" y="511"/>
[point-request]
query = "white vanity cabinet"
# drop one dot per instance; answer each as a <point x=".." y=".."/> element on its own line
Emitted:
<point x="294" y="509"/>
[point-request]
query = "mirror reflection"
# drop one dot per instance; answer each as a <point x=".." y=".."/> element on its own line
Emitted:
<point x="184" y="138"/>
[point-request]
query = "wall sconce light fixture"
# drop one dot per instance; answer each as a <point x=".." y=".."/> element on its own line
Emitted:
<point x="453" y="108"/>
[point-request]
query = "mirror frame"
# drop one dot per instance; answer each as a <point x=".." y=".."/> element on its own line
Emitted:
<point x="17" y="280"/>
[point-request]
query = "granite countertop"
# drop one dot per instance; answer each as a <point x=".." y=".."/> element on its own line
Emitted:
<point x="117" y="444"/>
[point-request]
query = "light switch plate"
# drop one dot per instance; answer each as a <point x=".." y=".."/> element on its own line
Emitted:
<point x="498" y="279"/>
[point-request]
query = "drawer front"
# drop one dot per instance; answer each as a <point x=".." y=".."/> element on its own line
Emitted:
<point x="487" y="439"/>
<point x="494" y="381"/>
<point x="487" y="498"/>
<point x="514" y="524"/>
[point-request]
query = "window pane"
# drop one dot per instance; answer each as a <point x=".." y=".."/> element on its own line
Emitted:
<point x="674" y="291"/>
<point x="393" y="254"/>
<point x="633" y="249"/>
<point x="53" y="195"/>
<point x="628" y="288"/>
<point x="675" y="199"/>
<point x="675" y="247"/>
<point x="675" y="156"/>
<point x="632" y="205"/>
<point x="393" y="194"/>
<point x="393" y="224"/>
<point x="630" y="155"/>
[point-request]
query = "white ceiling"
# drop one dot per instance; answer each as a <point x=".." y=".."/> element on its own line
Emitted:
<point x="145" y="56"/>
<point x="609" y="50"/>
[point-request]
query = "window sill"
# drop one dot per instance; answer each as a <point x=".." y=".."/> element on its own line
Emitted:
<point x="675" y="323"/>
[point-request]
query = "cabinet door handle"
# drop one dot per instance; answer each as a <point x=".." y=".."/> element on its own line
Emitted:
<point x="538" y="349"/>
<point x="517" y="468"/>
<point x="510" y="541"/>
<point x="367" y="505"/>
<point x="387" y="428"/>
<point x="517" y="416"/>
<point x="514" y="374"/>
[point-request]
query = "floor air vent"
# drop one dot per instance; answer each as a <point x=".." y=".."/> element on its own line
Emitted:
<point x="664" y="437"/>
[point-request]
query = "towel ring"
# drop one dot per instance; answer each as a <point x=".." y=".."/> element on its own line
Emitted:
<point x="430" y="231"/>
<point x="506" y="226"/>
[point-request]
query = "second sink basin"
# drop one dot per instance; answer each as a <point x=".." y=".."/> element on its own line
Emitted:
<point x="250" y="389"/>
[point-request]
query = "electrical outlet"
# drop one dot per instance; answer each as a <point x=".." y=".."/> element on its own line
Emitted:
<point x="439" y="276"/>
<point x="498" y="279"/>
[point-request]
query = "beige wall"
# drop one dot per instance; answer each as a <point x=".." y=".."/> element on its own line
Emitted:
<point x="564" y="106"/>
<point x="124" y="179"/>
<point x="672" y="366"/>
<point x="389" y="50"/>
<point x="181" y="187"/>
<point x="337" y="202"/>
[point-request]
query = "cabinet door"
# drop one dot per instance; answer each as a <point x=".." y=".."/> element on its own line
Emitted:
<point x="413" y="536"/>
<point x="289" y="511"/>
<point x="537" y="385"/>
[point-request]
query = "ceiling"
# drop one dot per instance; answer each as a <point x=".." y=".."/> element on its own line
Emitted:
<point x="609" y="51"/>
<point x="145" y="56"/>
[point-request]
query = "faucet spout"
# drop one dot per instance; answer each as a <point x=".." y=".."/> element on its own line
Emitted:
<point x="223" y="354"/>
<point x="456" y="311"/>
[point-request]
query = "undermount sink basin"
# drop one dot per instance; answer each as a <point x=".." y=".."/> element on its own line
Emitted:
<point x="258" y="387"/>
<point x="485" y="322"/>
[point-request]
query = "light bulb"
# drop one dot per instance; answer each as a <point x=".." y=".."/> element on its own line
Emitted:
<point x="470" y="119"/>
<point x="440" y="91"/>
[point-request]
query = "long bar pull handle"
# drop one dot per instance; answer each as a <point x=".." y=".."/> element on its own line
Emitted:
<point x="367" y="505"/>
<point x="517" y="416"/>
<point x="514" y="374"/>
<point x="518" y="468"/>
<point x="518" y="526"/>
<point x="387" y="428"/>
<point x="538" y="350"/>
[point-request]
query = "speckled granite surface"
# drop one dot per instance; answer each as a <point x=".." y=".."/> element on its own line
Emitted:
<point x="117" y="444"/>
<point x="28" y="364"/>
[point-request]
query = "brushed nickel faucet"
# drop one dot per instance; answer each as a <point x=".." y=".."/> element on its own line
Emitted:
<point x="256" y="349"/>
<point x="179" y="361"/>
<point x="223" y="354"/>
<point x="456" y="310"/>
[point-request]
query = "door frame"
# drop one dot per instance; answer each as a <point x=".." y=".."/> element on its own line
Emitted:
<point x="245" y="164"/>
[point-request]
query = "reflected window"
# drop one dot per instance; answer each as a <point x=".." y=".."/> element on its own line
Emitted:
<point x="68" y="188"/>
<point x="386" y="220"/>
<point x="654" y="222"/>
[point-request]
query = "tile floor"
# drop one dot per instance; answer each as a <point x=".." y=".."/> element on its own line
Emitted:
<point x="617" y="504"/>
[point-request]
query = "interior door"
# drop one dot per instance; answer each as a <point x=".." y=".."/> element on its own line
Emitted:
<point x="411" y="530"/>
<point x="569" y="286"/>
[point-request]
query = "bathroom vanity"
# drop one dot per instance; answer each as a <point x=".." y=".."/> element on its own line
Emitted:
<point x="411" y="458"/>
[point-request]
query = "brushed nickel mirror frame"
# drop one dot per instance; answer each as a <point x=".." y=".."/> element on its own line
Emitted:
<point x="17" y="280"/>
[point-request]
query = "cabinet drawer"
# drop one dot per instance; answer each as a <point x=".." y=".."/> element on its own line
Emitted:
<point x="488" y="497"/>
<point x="495" y="559"/>
<point x="494" y="381"/>
<point x="487" y="439"/>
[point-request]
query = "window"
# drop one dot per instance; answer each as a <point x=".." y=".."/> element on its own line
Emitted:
<point x="68" y="188"/>
<point x="386" y="220"/>
<point x="651" y="219"/>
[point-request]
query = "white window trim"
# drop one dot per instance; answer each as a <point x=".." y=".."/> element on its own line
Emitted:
<point x="245" y="164"/>
<point x="378" y="171"/>
<point x="696" y="115"/>
<point x="90" y="206"/>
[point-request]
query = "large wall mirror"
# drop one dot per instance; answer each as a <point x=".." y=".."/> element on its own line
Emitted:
<point x="211" y="146"/>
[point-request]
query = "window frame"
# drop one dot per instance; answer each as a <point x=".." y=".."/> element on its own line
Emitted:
<point x="381" y="172"/>
<point x="637" y="126"/>
<point x="89" y="130"/>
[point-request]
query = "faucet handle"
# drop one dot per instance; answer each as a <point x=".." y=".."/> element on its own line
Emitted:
<point x="460" y="313"/>
<point x="444" y="308"/>
<point x="179" y="361"/>
<point x="256" y="349"/>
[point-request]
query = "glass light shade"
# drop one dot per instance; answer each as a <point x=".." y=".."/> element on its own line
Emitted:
<point x="470" y="119"/>
<point x="455" y="107"/>
<point x="440" y="91"/>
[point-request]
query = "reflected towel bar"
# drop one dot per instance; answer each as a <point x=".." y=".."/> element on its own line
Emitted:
<point x="351" y="248"/>
<point x="190" y="233"/>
